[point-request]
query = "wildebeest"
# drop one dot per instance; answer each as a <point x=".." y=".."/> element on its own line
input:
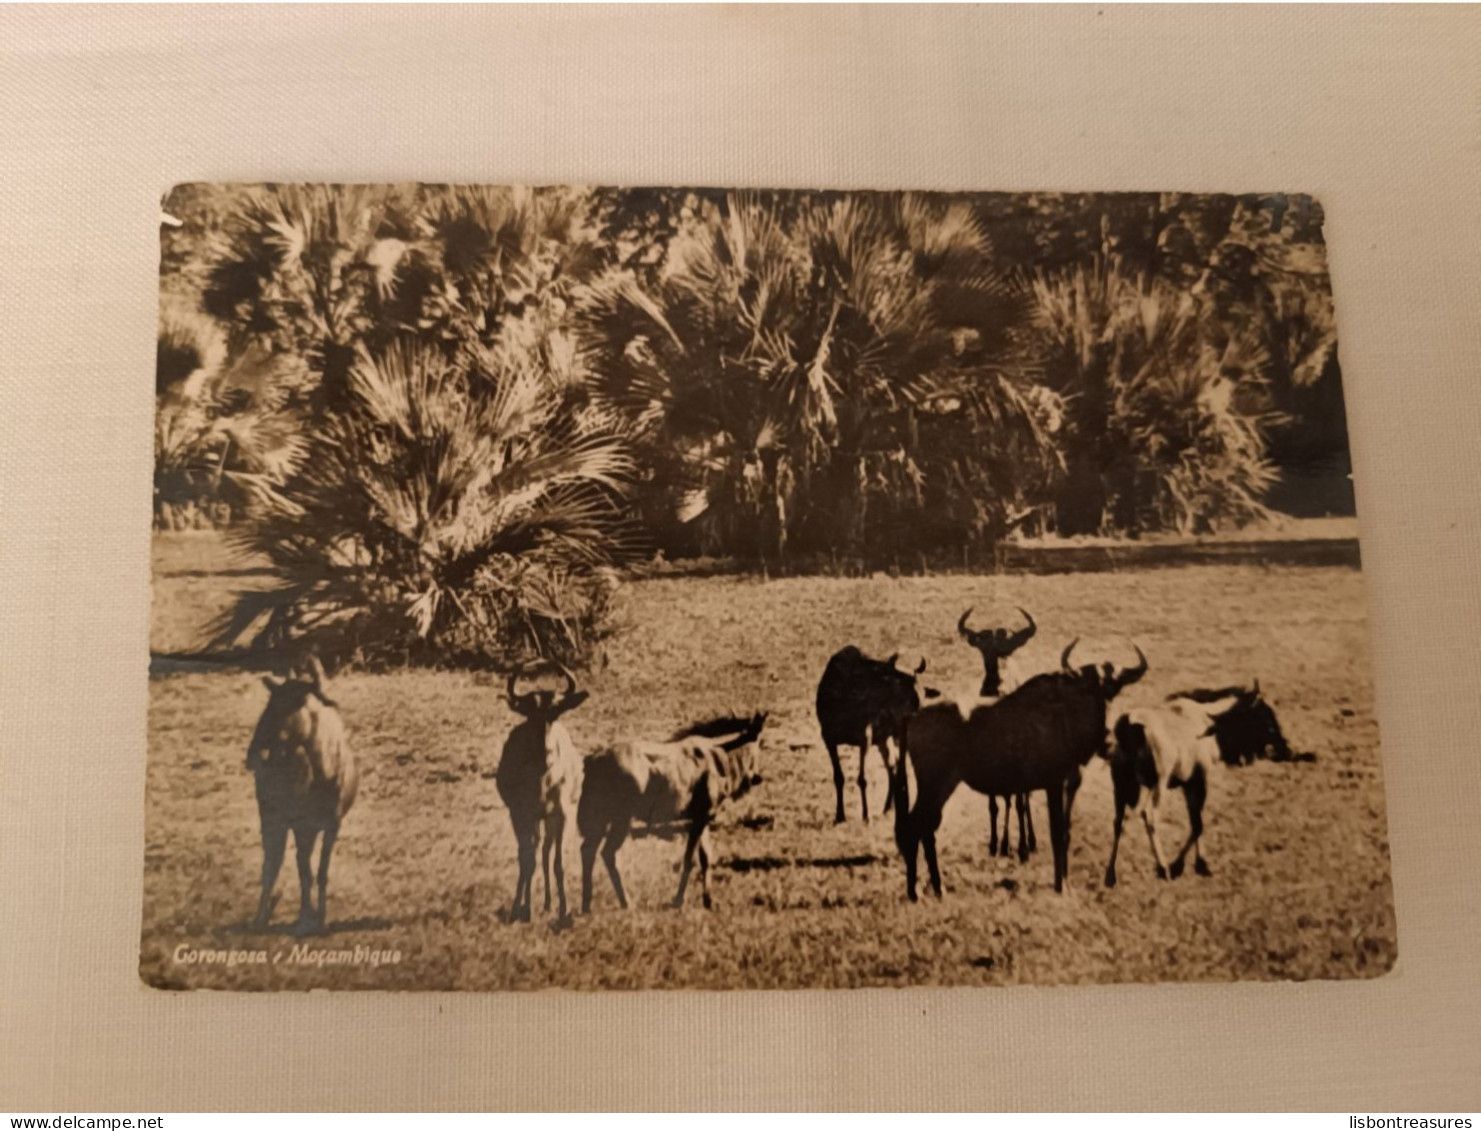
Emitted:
<point x="306" y="780"/>
<point x="665" y="789"/>
<point x="1037" y="737"/>
<point x="861" y="700"/>
<point x="539" y="780"/>
<point x="1248" y="730"/>
<point x="999" y="676"/>
<point x="1174" y="746"/>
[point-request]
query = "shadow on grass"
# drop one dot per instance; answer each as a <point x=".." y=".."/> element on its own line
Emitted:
<point x="165" y="664"/>
<point x="285" y="929"/>
<point x="773" y="863"/>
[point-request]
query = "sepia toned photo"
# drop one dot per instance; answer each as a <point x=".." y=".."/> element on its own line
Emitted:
<point x="598" y="588"/>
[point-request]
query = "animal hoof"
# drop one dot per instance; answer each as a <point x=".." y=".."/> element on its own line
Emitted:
<point x="1161" y="872"/>
<point x="1201" y="868"/>
<point x="1177" y="869"/>
<point x="838" y="819"/>
<point x="707" y="903"/>
<point x="1110" y="879"/>
<point x="1023" y="855"/>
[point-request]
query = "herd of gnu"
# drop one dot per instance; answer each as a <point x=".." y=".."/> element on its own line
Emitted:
<point x="1011" y="740"/>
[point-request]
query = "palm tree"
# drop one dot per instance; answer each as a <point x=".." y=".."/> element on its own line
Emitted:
<point x="453" y="512"/>
<point x="782" y="369"/>
<point x="221" y="429"/>
<point x="1164" y="426"/>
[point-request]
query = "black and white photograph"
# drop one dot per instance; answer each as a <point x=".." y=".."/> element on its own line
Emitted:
<point x="587" y="588"/>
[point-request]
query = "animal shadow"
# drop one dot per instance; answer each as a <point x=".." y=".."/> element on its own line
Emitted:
<point x="340" y="927"/>
<point x="773" y="863"/>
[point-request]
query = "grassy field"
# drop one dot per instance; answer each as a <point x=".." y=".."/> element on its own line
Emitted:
<point x="425" y="864"/>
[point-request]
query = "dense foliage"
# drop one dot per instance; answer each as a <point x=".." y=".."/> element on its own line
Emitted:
<point x="443" y="414"/>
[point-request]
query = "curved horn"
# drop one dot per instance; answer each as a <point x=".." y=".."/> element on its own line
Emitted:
<point x="566" y="673"/>
<point x="1131" y="675"/>
<point x="1255" y="686"/>
<point x="1025" y="634"/>
<point x="316" y="673"/>
<point x="1064" y="658"/>
<point x="961" y="625"/>
<point x="922" y="667"/>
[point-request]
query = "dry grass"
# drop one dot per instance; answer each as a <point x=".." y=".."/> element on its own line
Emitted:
<point x="426" y="860"/>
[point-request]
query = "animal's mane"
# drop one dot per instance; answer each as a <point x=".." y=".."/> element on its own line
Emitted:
<point x="1209" y="695"/>
<point x="718" y="727"/>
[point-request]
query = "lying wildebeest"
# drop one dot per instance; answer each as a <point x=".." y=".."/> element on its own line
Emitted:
<point x="862" y="700"/>
<point x="665" y="789"/>
<point x="1250" y="730"/>
<point x="306" y="781"/>
<point x="539" y="780"/>
<point x="1175" y="746"/>
<point x="1000" y="676"/>
<point x="1037" y="737"/>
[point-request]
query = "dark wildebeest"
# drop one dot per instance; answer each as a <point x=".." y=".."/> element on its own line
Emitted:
<point x="1038" y="737"/>
<point x="539" y="780"/>
<point x="1000" y="676"/>
<point x="1175" y="746"/>
<point x="862" y="700"/>
<point x="665" y="789"/>
<point x="306" y="780"/>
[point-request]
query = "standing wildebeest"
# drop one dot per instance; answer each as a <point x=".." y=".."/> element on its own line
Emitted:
<point x="306" y="780"/>
<point x="665" y="788"/>
<point x="1037" y="737"/>
<point x="859" y="700"/>
<point x="539" y="779"/>
<point x="996" y="646"/>
<point x="1175" y="746"/>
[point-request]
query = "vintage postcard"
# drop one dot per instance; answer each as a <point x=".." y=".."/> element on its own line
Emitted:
<point x="589" y="588"/>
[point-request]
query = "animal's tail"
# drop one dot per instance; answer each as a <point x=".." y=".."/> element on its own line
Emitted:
<point x="900" y="790"/>
<point x="1131" y="737"/>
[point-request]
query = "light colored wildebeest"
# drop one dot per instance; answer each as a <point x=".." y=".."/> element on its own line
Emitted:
<point x="306" y="780"/>
<point x="1176" y="745"/>
<point x="665" y="789"/>
<point x="1000" y="675"/>
<point x="539" y="780"/>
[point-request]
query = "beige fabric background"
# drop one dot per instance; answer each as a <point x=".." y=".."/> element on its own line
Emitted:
<point x="1376" y="110"/>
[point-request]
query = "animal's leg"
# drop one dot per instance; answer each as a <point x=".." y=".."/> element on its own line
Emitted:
<point x="1115" y="843"/>
<point x="1194" y="793"/>
<point x="274" y="844"/>
<point x="863" y="781"/>
<point x="1026" y="811"/>
<point x="930" y="822"/>
<point x="691" y="842"/>
<point x="837" y="781"/>
<point x="992" y="824"/>
<point x="1057" y="834"/>
<point x="557" y="833"/>
<point x="615" y="837"/>
<point x="303" y="847"/>
<point x="1149" y="818"/>
<point x="589" y="847"/>
<point x="527" y="839"/>
<point x="704" y="867"/>
<point x="889" y="774"/>
<point x="1071" y="787"/>
<point x="331" y="834"/>
<point x="545" y="848"/>
<point x="908" y="842"/>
